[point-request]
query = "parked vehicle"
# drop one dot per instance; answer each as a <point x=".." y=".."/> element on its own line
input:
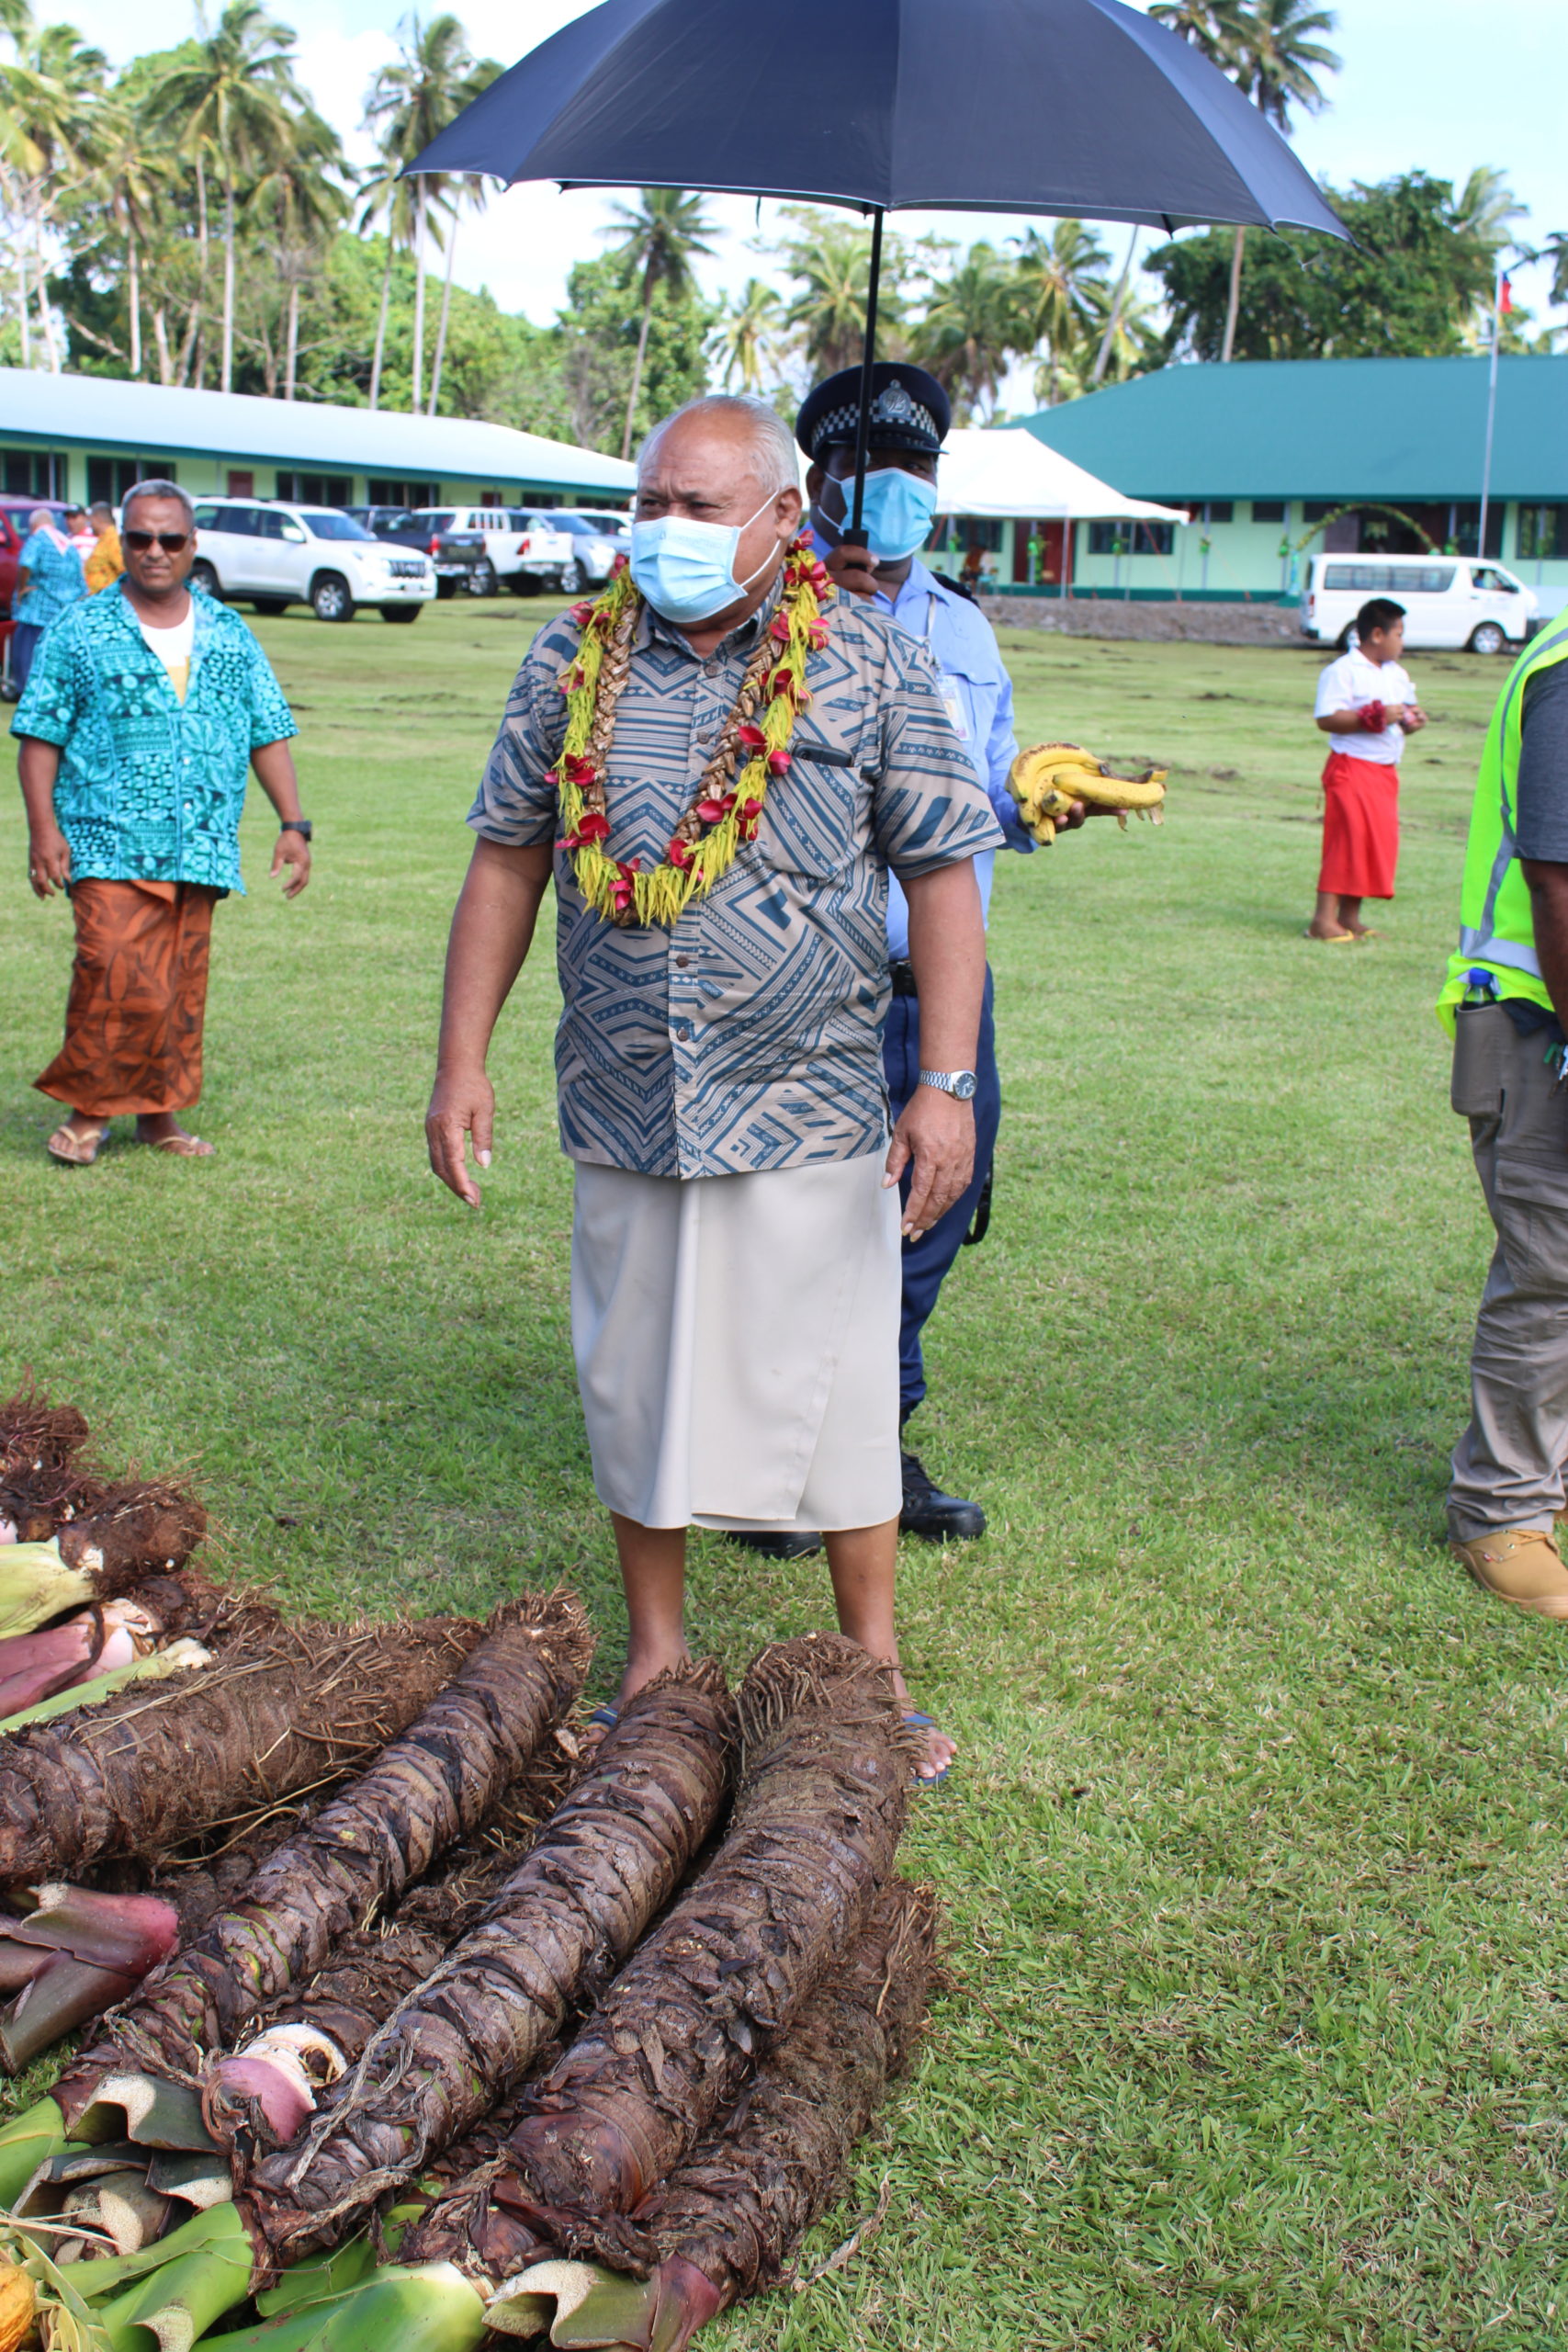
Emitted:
<point x="457" y="557"/>
<point x="594" y="553"/>
<point x="523" y="550"/>
<point x="1449" y="600"/>
<point x="276" y="555"/>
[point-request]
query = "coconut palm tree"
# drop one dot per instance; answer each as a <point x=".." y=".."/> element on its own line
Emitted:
<point x="236" y="101"/>
<point x="385" y="198"/>
<point x="297" y="205"/>
<point x="660" y="236"/>
<point x="433" y="80"/>
<point x="828" y="256"/>
<point x="1271" y="49"/>
<point x="51" y="94"/>
<point x="972" y="323"/>
<point x="747" y="337"/>
<point x="130" y="177"/>
<point x="469" y="190"/>
<point x="1051" y="275"/>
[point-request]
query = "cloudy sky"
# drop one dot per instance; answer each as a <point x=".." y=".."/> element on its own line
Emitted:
<point x="1438" y="85"/>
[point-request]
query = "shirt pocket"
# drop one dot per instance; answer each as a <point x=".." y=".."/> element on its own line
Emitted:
<point x="814" y="819"/>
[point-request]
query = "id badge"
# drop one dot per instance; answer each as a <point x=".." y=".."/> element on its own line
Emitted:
<point x="953" y="696"/>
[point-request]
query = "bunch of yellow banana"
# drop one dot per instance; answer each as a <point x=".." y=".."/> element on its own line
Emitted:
<point x="1047" y="778"/>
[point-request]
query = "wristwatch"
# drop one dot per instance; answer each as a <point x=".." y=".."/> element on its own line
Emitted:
<point x="960" y="1083"/>
<point x="300" y="825"/>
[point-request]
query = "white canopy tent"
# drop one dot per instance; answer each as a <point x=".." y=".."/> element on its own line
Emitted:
<point x="1008" y="472"/>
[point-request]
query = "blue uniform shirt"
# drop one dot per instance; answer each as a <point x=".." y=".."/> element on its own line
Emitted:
<point x="978" y="693"/>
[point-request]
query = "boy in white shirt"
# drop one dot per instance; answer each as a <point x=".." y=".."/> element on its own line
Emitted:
<point x="1366" y="704"/>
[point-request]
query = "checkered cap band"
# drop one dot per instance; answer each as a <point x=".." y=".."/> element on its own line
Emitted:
<point x="894" y="410"/>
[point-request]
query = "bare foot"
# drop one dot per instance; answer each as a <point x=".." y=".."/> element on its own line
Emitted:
<point x="1318" y="929"/>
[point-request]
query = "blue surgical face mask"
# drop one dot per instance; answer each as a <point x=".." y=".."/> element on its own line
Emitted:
<point x="686" y="570"/>
<point x="896" y="512"/>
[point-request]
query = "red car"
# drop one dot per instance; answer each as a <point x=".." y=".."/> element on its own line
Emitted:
<point x="14" y="517"/>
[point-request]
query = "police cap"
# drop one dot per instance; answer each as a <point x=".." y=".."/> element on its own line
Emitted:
<point x="908" y="411"/>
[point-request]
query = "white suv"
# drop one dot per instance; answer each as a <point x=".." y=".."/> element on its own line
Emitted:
<point x="276" y="555"/>
<point x="523" y="550"/>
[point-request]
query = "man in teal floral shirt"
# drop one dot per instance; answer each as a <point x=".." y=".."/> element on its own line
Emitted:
<point x="145" y="709"/>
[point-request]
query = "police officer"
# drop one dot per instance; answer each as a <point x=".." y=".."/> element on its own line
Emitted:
<point x="910" y="419"/>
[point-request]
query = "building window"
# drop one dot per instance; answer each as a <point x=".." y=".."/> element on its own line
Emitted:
<point x="402" y="493"/>
<point x="1131" y="539"/>
<point x="33" y="473"/>
<point x="318" y="490"/>
<point x="1218" y="510"/>
<point x="956" y="534"/>
<point x="241" y="482"/>
<point x="1314" y="509"/>
<point x="1543" y="533"/>
<point x="109" y="479"/>
<point x="1268" y="510"/>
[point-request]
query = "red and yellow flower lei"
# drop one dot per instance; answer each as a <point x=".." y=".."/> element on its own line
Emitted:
<point x="725" y="809"/>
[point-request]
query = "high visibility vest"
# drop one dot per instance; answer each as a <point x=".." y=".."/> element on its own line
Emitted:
<point x="1497" y="937"/>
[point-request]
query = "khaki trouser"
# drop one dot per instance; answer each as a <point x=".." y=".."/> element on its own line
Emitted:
<point x="1508" y="1466"/>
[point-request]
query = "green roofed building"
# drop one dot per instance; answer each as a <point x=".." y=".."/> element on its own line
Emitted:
<point x="1277" y="461"/>
<point x="91" y="436"/>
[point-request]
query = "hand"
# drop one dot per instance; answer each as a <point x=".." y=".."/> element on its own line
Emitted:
<point x="460" y="1106"/>
<point x="854" y="569"/>
<point x="49" y="860"/>
<point x="1413" y="718"/>
<point x="937" y="1133"/>
<point x="293" y="851"/>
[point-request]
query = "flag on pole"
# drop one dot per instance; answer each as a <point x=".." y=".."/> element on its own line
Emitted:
<point x="1505" y="295"/>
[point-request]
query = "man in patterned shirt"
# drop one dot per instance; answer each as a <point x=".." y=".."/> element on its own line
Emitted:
<point x="145" y="705"/>
<point x="735" y="1233"/>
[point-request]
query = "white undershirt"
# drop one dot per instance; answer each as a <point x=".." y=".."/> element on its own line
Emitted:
<point x="172" y="646"/>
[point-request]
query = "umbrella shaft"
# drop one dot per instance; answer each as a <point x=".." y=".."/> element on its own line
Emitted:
<point x="868" y="361"/>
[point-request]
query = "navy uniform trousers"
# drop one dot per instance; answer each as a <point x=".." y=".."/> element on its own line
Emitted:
<point x="926" y="1261"/>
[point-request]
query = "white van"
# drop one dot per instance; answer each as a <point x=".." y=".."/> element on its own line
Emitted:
<point x="1448" y="599"/>
<point x="274" y="556"/>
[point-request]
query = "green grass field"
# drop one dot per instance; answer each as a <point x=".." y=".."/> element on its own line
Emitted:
<point x="1252" y="1867"/>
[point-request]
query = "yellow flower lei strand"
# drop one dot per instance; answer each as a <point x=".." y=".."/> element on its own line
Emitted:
<point x="722" y="814"/>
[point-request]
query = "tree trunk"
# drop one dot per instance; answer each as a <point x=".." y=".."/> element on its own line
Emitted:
<point x="194" y="338"/>
<point x="40" y="282"/>
<point x="1108" y="340"/>
<point x="381" y="323"/>
<point x="636" y="366"/>
<point x="1234" y="305"/>
<point x="133" y="289"/>
<point x="23" y="302"/>
<point x="441" y="330"/>
<point x="227" y="372"/>
<point x="161" y="337"/>
<point x="292" y="360"/>
<point x="415" y="403"/>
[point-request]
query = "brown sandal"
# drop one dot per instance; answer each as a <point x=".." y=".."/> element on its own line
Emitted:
<point x="73" y="1150"/>
<point x="180" y="1147"/>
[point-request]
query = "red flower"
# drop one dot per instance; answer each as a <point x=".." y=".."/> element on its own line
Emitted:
<point x="778" y="762"/>
<point x="751" y="739"/>
<point x="680" y="853"/>
<point x="582" y="614"/>
<point x="714" y="812"/>
<point x="593" y="827"/>
<point x="778" y="628"/>
<point x="580" y="771"/>
<point x="817" y="634"/>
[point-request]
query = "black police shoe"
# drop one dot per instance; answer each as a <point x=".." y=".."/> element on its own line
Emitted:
<point x="941" y="1519"/>
<point x="797" y="1545"/>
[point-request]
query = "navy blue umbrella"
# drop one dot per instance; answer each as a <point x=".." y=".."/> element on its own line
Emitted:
<point x="1080" y="108"/>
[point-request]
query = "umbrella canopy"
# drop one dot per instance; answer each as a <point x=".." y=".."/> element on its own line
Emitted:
<point x="1057" y="107"/>
<point x="1069" y="106"/>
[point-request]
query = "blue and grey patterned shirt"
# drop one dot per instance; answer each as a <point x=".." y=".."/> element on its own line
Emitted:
<point x="151" y="790"/>
<point x="750" y="1036"/>
<point x="55" y="578"/>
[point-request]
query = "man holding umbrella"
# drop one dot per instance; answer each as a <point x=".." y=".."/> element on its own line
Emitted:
<point x="721" y="767"/>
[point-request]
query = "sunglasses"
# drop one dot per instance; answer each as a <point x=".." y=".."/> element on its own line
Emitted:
<point x="170" y="541"/>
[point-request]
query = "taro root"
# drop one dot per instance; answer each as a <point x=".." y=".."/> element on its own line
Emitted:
<point x="281" y="1710"/>
<point x="41" y="1480"/>
<point x="605" y="1866"/>
<point x="428" y="1787"/>
<point x="825" y="1773"/>
<point x="133" y="1532"/>
<point x="73" y="1954"/>
<point x="99" y="1640"/>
